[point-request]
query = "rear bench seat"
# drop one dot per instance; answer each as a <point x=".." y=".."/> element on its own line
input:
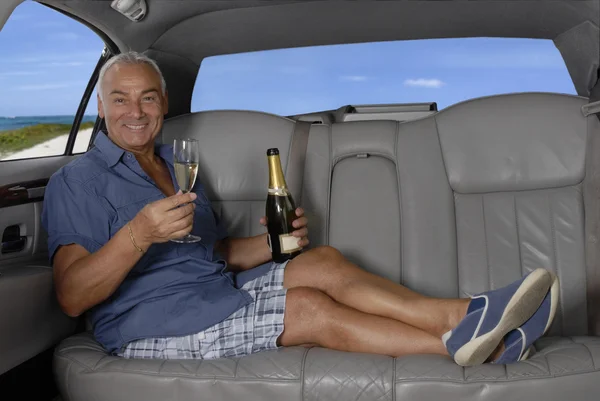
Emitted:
<point x="450" y="205"/>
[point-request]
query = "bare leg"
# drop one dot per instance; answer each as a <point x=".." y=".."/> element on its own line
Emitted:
<point x="327" y="270"/>
<point x="312" y="317"/>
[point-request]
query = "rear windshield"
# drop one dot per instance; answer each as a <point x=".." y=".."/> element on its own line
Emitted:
<point x="446" y="71"/>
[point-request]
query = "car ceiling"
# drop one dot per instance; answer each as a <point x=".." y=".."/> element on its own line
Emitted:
<point x="179" y="34"/>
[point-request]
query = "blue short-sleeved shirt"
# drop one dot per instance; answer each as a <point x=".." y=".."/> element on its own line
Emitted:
<point x="175" y="289"/>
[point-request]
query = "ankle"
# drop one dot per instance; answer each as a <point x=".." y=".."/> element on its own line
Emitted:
<point x="497" y="352"/>
<point x="458" y="311"/>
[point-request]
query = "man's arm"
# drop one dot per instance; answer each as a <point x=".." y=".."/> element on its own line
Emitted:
<point x="83" y="279"/>
<point x="247" y="253"/>
<point x="244" y="253"/>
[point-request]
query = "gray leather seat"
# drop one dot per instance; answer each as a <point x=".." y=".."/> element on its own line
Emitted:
<point x="450" y="205"/>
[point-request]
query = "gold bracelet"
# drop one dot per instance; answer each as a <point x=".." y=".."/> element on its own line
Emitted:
<point x="133" y="240"/>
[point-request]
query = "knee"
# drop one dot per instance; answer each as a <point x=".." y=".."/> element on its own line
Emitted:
<point x="309" y="300"/>
<point x="309" y="306"/>
<point x="327" y="254"/>
<point x="308" y="313"/>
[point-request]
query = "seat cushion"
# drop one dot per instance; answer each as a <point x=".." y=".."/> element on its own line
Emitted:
<point x="561" y="368"/>
<point x="84" y="371"/>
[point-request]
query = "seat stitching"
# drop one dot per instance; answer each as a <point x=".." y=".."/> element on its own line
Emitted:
<point x="329" y="183"/>
<point x="302" y="369"/>
<point x="485" y="240"/>
<point x="400" y="203"/>
<point x="554" y="255"/>
<point x="591" y="355"/>
<point x="518" y="234"/>
<point x="84" y="366"/>
<point x="441" y="148"/>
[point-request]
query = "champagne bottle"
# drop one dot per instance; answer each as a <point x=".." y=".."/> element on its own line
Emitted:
<point x="280" y="212"/>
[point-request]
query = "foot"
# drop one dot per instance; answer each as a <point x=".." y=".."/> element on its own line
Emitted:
<point x="492" y="314"/>
<point x="518" y="342"/>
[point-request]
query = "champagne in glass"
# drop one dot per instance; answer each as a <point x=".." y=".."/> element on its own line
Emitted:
<point x="186" y="155"/>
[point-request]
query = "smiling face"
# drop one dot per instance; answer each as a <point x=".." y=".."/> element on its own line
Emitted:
<point x="133" y="106"/>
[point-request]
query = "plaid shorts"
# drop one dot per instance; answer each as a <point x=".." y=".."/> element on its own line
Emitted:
<point x="251" y="329"/>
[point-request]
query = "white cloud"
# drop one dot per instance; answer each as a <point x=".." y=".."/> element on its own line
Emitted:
<point x="294" y="70"/>
<point x="19" y="17"/>
<point x="19" y="73"/>
<point x="42" y="87"/>
<point x="424" y="83"/>
<point x="354" y="78"/>
<point x="88" y="57"/>
<point x="48" y="24"/>
<point x="66" y="64"/>
<point x="63" y="36"/>
<point x="513" y="58"/>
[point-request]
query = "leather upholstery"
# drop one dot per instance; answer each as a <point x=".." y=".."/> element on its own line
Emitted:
<point x="237" y="185"/>
<point x="562" y="368"/>
<point x="82" y="369"/>
<point x="38" y="323"/>
<point x="233" y="149"/>
<point x="503" y="235"/>
<point x="450" y="205"/>
<point x="364" y="219"/>
<point x="518" y="142"/>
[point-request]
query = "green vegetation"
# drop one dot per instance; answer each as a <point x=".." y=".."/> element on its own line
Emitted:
<point x="24" y="138"/>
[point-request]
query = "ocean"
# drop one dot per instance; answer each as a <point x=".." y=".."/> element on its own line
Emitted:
<point x="12" y="123"/>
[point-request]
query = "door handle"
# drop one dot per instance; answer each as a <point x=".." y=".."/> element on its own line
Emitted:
<point x="12" y="240"/>
<point x="14" y="246"/>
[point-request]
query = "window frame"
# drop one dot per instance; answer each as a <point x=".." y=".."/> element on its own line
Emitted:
<point x="110" y="49"/>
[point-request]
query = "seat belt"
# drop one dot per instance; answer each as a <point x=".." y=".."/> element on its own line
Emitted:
<point x="591" y="201"/>
<point x="295" y="167"/>
<point x="593" y="106"/>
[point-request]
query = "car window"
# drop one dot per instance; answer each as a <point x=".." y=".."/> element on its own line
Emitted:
<point x="446" y="71"/>
<point x="46" y="64"/>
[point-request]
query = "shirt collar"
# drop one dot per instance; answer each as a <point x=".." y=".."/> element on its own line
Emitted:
<point x="113" y="153"/>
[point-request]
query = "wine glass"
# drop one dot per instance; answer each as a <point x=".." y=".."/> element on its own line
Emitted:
<point x="186" y="155"/>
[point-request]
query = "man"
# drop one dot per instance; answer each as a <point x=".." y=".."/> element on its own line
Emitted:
<point x="111" y="213"/>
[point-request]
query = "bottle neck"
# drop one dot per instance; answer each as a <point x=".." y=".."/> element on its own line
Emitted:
<point x="276" y="178"/>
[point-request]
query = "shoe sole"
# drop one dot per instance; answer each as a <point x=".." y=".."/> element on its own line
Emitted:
<point x="523" y="304"/>
<point x="554" y="294"/>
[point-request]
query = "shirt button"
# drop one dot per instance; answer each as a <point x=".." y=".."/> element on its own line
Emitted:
<point x="129" y="155"/>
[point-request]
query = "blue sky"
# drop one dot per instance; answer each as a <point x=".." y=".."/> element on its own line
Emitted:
<point x="48" y="58"/>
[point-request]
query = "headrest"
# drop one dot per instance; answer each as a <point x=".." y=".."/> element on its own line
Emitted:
<point x="514" y="142"/>
<point x="233" y="146"/>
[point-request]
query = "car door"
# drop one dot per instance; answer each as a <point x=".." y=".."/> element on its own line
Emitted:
<point x="48" y="70"/>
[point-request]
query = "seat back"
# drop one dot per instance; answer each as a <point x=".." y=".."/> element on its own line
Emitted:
<point x="515" y="165"/>
<point x="233" y="162"/>
<point x="457" y="203"/>
<point x="461" y="202"/>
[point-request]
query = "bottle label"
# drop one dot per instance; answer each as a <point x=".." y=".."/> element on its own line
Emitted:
<point x="278" y="191"/>
<point x="288" y="243"/>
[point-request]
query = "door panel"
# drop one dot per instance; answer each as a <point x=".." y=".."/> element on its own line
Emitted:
<point x="22" y="187"/>
<point x="32" y="321"/>
<point x="18" y="171"/>
<point x="19" y="230"/>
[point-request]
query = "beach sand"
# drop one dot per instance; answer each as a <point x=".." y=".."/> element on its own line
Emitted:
<point x="53" y="147"/>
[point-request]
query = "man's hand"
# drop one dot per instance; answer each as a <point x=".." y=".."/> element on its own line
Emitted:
<point x="300" y="224"/>
<point x="163" y="220"/>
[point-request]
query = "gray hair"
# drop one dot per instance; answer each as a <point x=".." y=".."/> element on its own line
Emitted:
<point x="134" y="58"/>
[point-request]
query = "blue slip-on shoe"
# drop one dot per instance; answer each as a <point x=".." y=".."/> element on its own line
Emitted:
<point x="517" y="343"/>
<point x="492" y="314"/>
